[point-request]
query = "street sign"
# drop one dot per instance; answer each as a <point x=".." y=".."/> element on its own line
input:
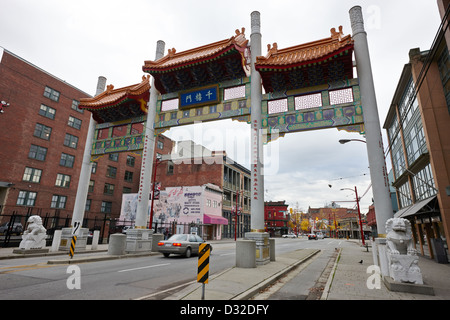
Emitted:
<point x="204" y="251"/>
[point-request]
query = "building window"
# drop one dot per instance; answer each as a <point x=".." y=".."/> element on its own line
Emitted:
<point x="62" y="180"/>
<point x="423" y="183"/>
<point x="108" y="189"/>
<point x="26" y="198"/>
<point x="91" y="186"/>
<point x="58" y="201"/>
<point x="106" y="207"/>
<point x="113" y="156"/>
<point x="71" y="141"/>
<point x="52" y="94"/>
<point x="32" y="175"/>
<point x="128" y="176"/>
<point x="75" y="107"/>
<point x="130" y="161"/>
<point x="208" y="202"/>
<point x="47" y="111"/>
<point x="37" y="152"/>
<point x="404" y="193"/>
<point x="170" y="167"/>
<point x="160" y="145"/>
<point x="111" y="172"/>
<point x="126" y="190"/>
<point x="444" y="71"/>
<point x="42" y="131"/>
<point x="67" y="160"/>
<point x="94" y="167"/>
<point x="74" y="122"/>
<point x="88" y="205"/>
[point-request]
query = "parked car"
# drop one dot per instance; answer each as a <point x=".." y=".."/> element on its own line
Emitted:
<point x="17" y="228"/>
<point x="319" y="235"/>
<point x="312" y="236"/>
<point x="289" y="235"/>
<point x="184" y="244"/>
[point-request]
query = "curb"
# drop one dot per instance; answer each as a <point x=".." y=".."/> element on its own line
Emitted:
<point x="326" y="290"/>
<point x="269" y="281"/>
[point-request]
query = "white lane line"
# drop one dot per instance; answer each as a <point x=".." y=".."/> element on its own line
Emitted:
<point x="156" y="265"/>
<point x="227" y="254"/>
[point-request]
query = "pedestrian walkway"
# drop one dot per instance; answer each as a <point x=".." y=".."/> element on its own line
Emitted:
<point x="348" y="280"/>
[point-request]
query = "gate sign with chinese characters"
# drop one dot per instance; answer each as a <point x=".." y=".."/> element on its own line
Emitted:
<point x="199" y="97"/>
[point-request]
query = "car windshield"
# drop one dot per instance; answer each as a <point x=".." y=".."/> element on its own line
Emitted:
<point x="178" y="237"/>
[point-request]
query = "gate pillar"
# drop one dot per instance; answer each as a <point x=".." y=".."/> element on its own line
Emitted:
<point x="257" y="179"/>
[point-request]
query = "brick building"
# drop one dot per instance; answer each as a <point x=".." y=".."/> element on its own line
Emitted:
<point x="276" y="218"/>
<point x="195" y="165"/>
<point x="43" y="139"/>
<point x="41" y="154"/>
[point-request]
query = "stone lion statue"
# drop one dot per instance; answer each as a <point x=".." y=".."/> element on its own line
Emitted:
<point x="399" y="236"/>
<point x="35" y="234"/>
<point x="402" y="256"/>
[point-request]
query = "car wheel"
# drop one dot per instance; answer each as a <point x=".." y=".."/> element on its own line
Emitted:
<point x="188" y="253"/>
<point x="166" y="254"/>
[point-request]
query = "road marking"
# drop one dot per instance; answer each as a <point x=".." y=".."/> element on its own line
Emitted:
<point x="227" y="254"/>
<point x="156" y="265"/>
<point x="13" y="269"/>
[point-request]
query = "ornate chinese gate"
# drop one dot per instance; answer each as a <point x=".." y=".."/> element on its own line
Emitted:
<point x="309" y="86"/>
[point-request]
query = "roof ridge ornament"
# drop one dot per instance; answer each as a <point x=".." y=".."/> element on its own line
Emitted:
<point x="272" y="50"/>
<point x="335" y="34"/>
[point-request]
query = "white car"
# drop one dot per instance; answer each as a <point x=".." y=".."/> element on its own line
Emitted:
<point x="320" y="235"/>
<point x="289" y="235"/>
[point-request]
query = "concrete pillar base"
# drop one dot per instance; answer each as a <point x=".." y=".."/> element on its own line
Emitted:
<point x="139" y="240"/>
<point x="262" y="250"/>
<point x="245" y="254"/>
<point x="66" y="238"/>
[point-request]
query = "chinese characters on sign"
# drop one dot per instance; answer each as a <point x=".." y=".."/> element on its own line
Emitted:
<point x="255" y="159"/>
<point x="199" y="97"/>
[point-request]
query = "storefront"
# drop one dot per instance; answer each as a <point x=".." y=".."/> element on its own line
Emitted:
<point x="427" y="228"/>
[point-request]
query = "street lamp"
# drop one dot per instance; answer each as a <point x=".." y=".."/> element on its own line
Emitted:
<point x="344" y="141"/>
<point x="359" y="214"/>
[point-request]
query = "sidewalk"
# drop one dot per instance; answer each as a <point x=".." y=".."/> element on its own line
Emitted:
<point x="348" y="280"/>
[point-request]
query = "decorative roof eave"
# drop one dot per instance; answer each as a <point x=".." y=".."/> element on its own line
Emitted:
<point x="115" y="97"/>
<point x="173" y="60"/>
<point x="305" y="54"/>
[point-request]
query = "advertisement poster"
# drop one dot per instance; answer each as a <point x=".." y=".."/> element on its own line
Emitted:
<point x="183" y="204"/>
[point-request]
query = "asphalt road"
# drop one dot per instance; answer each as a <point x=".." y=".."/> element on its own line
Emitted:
<point x="131" y="278"/>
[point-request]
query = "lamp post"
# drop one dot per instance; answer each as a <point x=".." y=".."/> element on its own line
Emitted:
<point x="359" y="214"/>
<point x="155" y="166"/>
<point x="344" y="141"/>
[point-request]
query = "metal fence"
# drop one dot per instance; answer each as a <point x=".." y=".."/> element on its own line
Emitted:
<point x="10" y="237"/>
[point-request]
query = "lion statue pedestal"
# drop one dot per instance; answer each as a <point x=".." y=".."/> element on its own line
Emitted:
<point x="35" y="235"/>
<point x="402" y="257"/>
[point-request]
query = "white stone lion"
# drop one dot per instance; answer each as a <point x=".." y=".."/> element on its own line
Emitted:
<point x="35" y="235"/>
<point x="399" y="236"/>
<point x="402" y="256"/>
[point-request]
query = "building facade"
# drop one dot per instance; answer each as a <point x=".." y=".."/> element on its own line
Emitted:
<point x="193" y="164"/>
<point x="276" y="218"/>
<point x="41" y="154"/>
<point x="418" y="129"/>
<point x="43" y="139"/>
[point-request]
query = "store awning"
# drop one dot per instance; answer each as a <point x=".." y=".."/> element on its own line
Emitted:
<point x="211" y="219"/>
<point x="415" y="208"/>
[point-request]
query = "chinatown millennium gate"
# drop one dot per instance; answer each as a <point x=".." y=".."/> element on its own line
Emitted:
<point x="309" y="86"/>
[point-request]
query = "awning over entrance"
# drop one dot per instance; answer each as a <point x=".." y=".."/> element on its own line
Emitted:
<point x="416" y="208"/>
<point x="211" y="219"/>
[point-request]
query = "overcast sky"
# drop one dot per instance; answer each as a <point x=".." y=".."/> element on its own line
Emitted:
<point x="79" y="40"/>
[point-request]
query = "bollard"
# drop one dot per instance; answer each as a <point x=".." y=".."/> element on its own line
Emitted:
<point x="117" y="243"/>
<point x="245" y="254"/>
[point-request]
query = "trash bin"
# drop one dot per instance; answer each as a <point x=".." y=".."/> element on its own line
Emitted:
<point x="440" y="255"/>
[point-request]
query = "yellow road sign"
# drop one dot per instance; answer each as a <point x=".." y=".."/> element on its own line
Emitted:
<point x="204" y="251"/>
